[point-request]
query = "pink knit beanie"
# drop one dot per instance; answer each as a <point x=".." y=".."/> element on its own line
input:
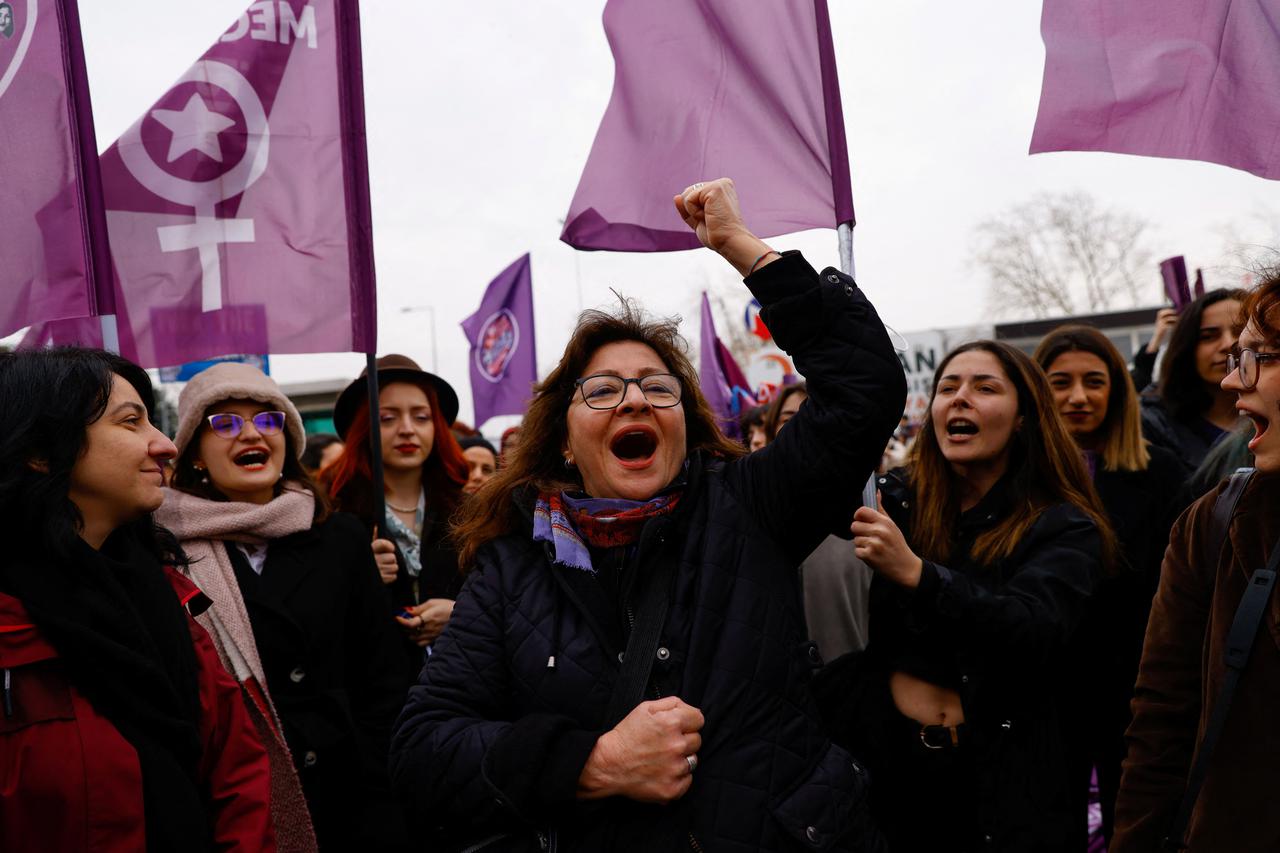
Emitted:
<point x="233" y="381"/>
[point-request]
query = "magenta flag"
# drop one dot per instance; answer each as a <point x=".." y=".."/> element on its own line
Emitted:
<point x="53" y="235"/>
<point x="723" y="382"/>
<point x="504" y="359"/>
<point x="238" y="204"/>
<point x="707" y="90"/>
<point x="1189" y="79"/>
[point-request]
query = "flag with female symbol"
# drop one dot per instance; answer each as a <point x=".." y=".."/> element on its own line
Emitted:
<point x="504" y="360"/>
<point x="238" y="204"/>
<point x="53" y="237"/>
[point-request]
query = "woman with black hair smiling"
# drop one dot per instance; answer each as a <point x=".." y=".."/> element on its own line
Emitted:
<point x="1138" y="484"/>
<point x="1189" y="411"/>
<point x="119" y="729"/>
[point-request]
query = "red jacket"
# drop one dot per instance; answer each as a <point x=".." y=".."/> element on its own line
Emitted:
<point x="70" y="781"/>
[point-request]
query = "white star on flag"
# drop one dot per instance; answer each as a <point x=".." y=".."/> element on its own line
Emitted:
<point x="195" y="128"/>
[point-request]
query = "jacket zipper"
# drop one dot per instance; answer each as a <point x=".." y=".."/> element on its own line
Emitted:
<point x="693" y="844"/>
<point x="8" y="694"/>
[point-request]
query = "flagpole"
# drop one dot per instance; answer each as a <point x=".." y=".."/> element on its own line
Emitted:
<point x="844" y="231"/>
<point x="375" y="449"/>
<point x="95" y="211"/>
<point x="110" y="333"/>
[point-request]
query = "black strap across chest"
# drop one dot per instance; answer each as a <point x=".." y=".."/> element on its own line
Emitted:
<point x="1240" y="638"/>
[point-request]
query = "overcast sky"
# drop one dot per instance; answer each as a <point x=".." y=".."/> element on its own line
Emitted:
<point x="480" y="116"/>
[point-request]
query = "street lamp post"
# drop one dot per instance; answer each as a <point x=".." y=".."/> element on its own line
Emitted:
<point x="431" y="310"/>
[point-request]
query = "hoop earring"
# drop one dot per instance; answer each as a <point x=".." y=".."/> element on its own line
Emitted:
<point x="568" y="462"/>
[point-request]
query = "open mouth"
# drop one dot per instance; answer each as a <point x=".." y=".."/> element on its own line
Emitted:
<point x="252" y="459"/>
<point x="960" y="427"/>
<point x="634" y="445"/>
<point x="1260" y="425"/>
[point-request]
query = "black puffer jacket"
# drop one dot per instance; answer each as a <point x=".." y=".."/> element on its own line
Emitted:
<point x="1001" y="631"/>
<point x="493" y="740"/>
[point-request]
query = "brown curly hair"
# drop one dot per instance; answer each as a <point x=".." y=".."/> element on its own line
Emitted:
<point x="536" y="463"/>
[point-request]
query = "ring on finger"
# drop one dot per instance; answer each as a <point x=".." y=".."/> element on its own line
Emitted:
<point x="693" y="763"/>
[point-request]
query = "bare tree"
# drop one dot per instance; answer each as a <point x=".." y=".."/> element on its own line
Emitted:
<point x="1250" y="247"/>
<point x="1062" y="254"/>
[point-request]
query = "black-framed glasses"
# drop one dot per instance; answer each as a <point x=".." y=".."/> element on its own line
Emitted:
<point x="228" y="425"/>
<point x="1247" y="362"/>
<point x="606" y="391"/>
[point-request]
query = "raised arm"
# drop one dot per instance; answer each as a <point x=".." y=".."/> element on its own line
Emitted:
<point x="807" y="483"/>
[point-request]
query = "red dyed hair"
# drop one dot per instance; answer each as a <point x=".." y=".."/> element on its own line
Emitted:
<point x="349" y="478"/>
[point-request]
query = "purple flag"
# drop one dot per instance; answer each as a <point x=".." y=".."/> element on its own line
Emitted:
<point x="504" y="361"/>
<point x="53" y="235"/>
<point x="705" y="90"/>
<point x="1190" y="79"/>
<point x="238" y="203"/>
<point x="722" y="380"/>
<point x="1174" y="273"/>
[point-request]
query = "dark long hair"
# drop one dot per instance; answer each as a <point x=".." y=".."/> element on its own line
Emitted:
<point x="1181" y="387"/>
<point x="536" y="462"/>
<point x="1044" y="462"/>
<point x="774" y="413"/>
<point x="48" y="399"/>
<point x="1121" y="444"/>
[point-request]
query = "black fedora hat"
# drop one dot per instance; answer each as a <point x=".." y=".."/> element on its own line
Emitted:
<point x="392" y="368"/>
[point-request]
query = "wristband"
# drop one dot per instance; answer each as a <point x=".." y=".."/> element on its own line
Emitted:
<point x="757" y="261"/>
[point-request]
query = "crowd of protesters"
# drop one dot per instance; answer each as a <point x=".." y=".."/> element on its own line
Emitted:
<point x="620" y="630"/>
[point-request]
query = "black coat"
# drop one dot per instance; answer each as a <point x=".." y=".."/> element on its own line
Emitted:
<point x="1187" y="439"/>
<point x="440" y="576"/>
<point x="331" y="657"/>
<point x="1102" y="660"/>
<point x="1002" y="630"/>
<point x="494" y="739"/>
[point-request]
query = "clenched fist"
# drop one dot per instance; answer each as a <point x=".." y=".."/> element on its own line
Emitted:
<point x="711" y="209"/>
<point x="646" y="757"/>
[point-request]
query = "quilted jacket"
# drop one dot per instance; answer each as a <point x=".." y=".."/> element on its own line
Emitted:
<point x="492" y="741"/>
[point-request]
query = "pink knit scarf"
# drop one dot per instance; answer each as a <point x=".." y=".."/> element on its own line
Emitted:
<point x="202" y="526"/>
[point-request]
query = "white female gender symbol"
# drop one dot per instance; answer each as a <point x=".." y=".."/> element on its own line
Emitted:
<point x="28" y="31"/>
<point x="207" y="232"/>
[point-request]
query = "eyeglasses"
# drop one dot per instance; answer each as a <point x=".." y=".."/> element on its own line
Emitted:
<point x="229" y="426"/>
<point x="1247" y="363"/>
<point x="606" y="391"/>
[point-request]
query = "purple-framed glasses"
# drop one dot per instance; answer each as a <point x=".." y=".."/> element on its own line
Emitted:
<point x="228" y="425"/>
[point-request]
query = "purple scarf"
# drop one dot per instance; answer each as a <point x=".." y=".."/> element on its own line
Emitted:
<point x="572" y="524"/>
